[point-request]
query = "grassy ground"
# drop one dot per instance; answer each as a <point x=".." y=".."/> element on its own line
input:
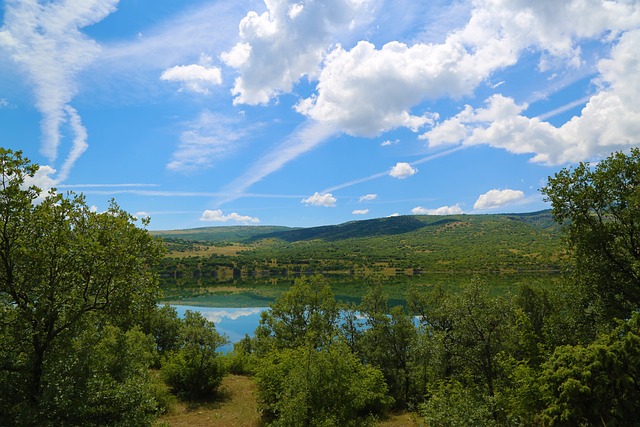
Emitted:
<point x="236" y="406"/>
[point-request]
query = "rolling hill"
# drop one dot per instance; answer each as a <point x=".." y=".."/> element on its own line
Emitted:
<point x="393" y="247"/>
<point x="377" y="227"/>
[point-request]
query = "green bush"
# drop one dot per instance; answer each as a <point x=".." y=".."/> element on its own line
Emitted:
<point x="320" y="387"/>
<point x="595" y="384"/>
<point x="453" y="404"/>
<point x="103" y="380"/>
<point x="242" y="360"/>
<point x="195" y="370"/>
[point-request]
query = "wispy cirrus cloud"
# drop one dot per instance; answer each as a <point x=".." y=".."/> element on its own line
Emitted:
<point x="302" y="140"/>
<point x="566" y="107"/>
<point x="45" y="40"/>
<point x="210" y="137"/>
<point x="120" y="185"/>
<point x="386" y="173"/>
<point x="206" y="29"/>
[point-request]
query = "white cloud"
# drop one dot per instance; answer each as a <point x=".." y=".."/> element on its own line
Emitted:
<point x="4" y="103"/>
<point x="43" y="179"/>
<point x="443" y="210"/>
<point x="318" y="199"/>
<point x="208" y="138"/>
<point x="388" y="142"/>
<point x="609" y="121"/>
<point x="393" y="215"/>
<point x="497" y="198"/>
<point x="457" y="129"/>
<point x="402" y="170"/>
<point x="368" y="198"/>
<point x="386" y="173"/>
<point x="195" y="77"/>
<point x="140" y="214"/>
<point x="360" y="212"/>
<point x="285" y="43"/>
<point x="365" y="91"/>
<point x="44" y="40"/>
<point x="218" y="216"/>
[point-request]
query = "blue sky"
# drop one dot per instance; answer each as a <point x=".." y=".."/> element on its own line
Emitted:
<point x="305" y="113"/>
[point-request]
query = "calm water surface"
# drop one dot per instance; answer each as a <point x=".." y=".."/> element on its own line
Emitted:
<point x="232" y="322"/>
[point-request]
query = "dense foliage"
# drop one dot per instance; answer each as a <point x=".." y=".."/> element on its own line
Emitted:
<point x="195" y="369"/>
<point x="538" y="357"/>
<point x="66" y="275"/>
<point x="305" y="371"/>
<point x="79" y="324"/>
<point x="600" y="207"/>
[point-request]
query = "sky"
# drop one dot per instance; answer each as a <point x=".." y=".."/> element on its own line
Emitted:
<point x="304" y="113"/>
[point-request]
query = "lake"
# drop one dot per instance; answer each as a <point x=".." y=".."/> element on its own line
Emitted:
<point x="232" y="322"/>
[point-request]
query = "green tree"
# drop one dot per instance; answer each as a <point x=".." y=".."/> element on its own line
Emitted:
<point x="433" y="311"/>
<point x="60" y="266"/>
<point x="306" y="371"/>
<point x="195" y="370"/>
<point x="351" y="326"/>
<point x="481" y="332"/>
<point x="469" y="335"/>
<point x="306" y="386"/>
<point x="102" y="380"/>
<point x="387" y="342"/>
<point x="163" y="324"/>
<point x="600" y="208"/>
<point x="307" y="312"/>
<point x="453" y="404"/>
<point x="533" y="310"/>
<point x="595" y="384"/>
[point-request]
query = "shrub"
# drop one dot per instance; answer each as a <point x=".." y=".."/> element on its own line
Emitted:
<point x="195" y="370"/>
<point x="325" y="387"/>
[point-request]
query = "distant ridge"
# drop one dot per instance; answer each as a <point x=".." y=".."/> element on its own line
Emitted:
<point x="348" y="230"/>
<point x="231" y="233"/>
<point x="377" y="227"/>
<point x="540" y="219"/>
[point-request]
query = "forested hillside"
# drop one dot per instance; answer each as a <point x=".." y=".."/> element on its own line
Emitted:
<point x="404" y="246"/>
